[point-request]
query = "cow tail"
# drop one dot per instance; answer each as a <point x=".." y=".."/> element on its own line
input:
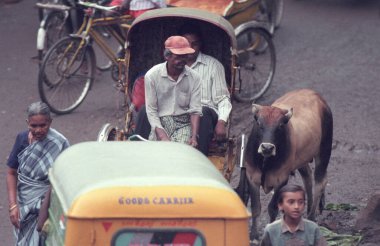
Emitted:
<point x="326" y="143"/>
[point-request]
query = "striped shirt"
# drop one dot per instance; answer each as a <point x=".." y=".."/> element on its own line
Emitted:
<point x="147" y="4"/>
<point x="165" y="96"/>
<point x="214" y="90"/>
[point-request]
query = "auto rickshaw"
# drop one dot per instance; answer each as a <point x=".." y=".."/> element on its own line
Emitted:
<point x="135" y="193"/>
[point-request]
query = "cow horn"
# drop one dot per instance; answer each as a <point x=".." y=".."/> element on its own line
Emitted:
<point x="255" y="108"/>
<point x="289" y="114"/>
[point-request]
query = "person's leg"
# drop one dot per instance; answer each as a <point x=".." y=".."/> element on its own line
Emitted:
<point x="206" y="129"/>
<point x="181" y="128"/>
<point x="143" y="127"/>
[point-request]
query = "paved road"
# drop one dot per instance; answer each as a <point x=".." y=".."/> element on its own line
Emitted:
<point x="327" y="45"/>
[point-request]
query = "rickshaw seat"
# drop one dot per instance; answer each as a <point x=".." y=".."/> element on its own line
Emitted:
<point x="222" y="156"/>
<point x="235" y="11"/>
<point x="138" y="92"/>
<point x="214" y="6"/>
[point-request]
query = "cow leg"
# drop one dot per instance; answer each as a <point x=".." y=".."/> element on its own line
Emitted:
<point x="306" y="174"/>
<point x="254" y="192"/>
<point x="320" y="179"/>
<point x="273" y="204"/>
<point x="321" y="163"/>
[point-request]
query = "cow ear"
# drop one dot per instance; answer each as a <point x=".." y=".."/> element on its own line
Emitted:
<point x="288" y="115"/>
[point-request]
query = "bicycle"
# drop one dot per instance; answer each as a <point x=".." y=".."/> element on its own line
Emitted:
<point x="256" y="63"/>
<point x="254" y="22"/>
<point x="60" y="18"/>
<point x="67" y="70"/>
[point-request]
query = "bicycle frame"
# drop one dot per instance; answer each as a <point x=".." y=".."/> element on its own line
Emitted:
<point x="106" y="22"/>
<point x="87" y="32"/>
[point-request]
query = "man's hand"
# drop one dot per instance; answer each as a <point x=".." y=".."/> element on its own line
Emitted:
<point x="161" y="134"/>
<point x="220" y="130"/>
<point x="193" y="141"/>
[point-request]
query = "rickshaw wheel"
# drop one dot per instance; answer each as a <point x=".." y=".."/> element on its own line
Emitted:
<point x="107" y="133"/>
<point x="257" y="63"/>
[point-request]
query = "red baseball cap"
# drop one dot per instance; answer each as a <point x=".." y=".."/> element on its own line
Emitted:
<point x="178" y="45"/>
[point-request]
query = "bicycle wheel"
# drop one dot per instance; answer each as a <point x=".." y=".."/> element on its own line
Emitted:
<point x="257" y="63"/>
<point x="103" y="63"/>
<point x="55" y="27"/>
<point x="66" y="75"/>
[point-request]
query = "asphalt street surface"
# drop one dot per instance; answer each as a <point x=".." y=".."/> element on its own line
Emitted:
<point x="331" y="46"/>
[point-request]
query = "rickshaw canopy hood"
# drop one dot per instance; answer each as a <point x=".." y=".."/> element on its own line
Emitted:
<point x="141" y="180"/>
<point x="148" y="32"/>
<point x="194" y="14"/>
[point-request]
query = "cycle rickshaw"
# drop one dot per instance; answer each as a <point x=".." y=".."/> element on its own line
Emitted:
<point x="144" y="49"/>
<point x="67" y="71"/>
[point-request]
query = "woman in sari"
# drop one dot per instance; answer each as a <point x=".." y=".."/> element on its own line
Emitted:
<point x="27" y="176"/>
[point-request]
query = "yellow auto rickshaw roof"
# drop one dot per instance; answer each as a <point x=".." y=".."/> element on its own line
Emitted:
<point x="190" y="13"/>
<point x="141" y="180"/>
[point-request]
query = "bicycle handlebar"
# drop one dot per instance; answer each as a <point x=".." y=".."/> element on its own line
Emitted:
<point x="53" y="6"/>
<point x="96" y="6"/>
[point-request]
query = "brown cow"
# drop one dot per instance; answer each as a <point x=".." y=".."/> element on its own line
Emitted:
<point x="285" y="137"/>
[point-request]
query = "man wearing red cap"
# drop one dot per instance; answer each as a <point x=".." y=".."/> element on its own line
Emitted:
<point x="173" y="96"/>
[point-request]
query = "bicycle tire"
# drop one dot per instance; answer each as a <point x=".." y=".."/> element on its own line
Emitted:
<point x="278" y="12"/>
<point x="61" y="87"/>
<point x="55" y="27"/>
<point x="257" y="64"/>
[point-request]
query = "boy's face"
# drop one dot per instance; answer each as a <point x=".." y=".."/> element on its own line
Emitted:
<point x="293" y="204"/>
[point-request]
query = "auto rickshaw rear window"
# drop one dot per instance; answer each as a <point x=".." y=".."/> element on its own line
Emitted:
<point x="159" y="237"/>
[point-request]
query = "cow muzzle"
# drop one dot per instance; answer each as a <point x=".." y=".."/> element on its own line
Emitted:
<point x="267" y="149"/>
